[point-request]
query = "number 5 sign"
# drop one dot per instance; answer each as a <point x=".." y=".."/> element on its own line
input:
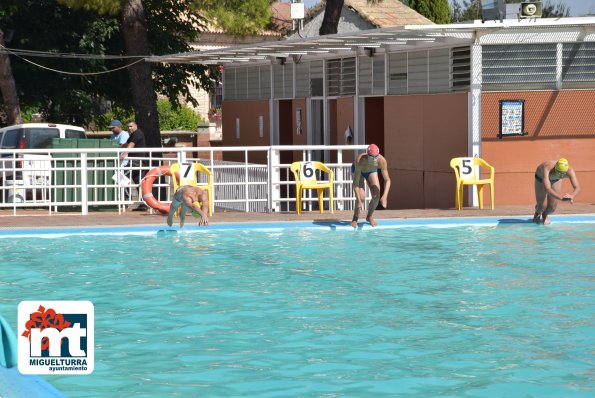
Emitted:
<point x="467" y="169"/>
<point x="308" y="171"/>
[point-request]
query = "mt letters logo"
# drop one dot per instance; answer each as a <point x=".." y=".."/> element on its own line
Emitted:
<point x="56" y="337"/>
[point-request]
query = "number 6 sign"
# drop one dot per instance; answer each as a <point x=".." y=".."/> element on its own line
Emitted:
<point x="308" y="171"/>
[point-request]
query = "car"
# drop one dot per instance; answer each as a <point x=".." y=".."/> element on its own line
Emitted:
<point x="30" y="170"/>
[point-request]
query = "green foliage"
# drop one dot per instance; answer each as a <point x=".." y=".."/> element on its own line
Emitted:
<point x="101" y="6"/>
<point x="176" y="118"/>
<point x="103" y="120"/>
<point x="89" y="27"/>
<point x="437" y="11"/>
<point x="465" y="11"/>
<point x="171" y="117"/>
<point x="238" y="17"/>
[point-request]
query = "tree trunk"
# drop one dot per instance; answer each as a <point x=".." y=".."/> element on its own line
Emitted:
<point x="136" y="42"/>
<point x="332" y="13"/>
<point x="8" y="88"/>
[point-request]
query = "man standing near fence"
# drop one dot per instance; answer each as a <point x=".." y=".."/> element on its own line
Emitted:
<point x="137" y="164"/>
<point x="367" y="166"/>
<point x="118" y="134"/>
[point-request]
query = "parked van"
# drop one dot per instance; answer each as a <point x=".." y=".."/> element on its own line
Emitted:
<point x="30" y="170"/>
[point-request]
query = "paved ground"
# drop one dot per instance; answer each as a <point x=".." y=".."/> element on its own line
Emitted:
<point x="41" y="218"/>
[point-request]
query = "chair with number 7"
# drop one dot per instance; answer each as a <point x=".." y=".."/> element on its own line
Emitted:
<point x="305" y="174"/>
<point x="469" y="171"/>
<point x="186" y="174"/>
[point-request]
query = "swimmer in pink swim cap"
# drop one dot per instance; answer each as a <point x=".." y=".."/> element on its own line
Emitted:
<point x="367" y="166"/>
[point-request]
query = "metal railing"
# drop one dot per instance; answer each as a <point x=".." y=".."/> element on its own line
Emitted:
<point x="84" y="179"/>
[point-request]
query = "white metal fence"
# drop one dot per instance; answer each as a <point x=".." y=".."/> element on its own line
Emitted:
<point x="87" y="179"/>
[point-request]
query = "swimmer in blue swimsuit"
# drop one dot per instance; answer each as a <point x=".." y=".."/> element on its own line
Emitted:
<point x="367" y="166"/>
<point x="189" y="197"/>
<point x="548" y="187"/>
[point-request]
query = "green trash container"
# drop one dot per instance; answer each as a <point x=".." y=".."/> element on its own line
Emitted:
<point x="108" y="163"/>
<point x="63" y="176"/>
<point x="100" y="169"/>
<point x="93" y="193"/>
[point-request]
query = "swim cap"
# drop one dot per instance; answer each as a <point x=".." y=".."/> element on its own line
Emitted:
<point x="194" y="212"/>
<point x="373" y="150"/>
<point x="562" y="165"/>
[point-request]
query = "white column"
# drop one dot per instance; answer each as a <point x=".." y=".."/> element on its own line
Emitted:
<point x="474" y="123"/>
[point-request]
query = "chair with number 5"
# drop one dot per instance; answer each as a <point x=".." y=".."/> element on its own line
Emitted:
<point x="307" y="176"/>
<point x="469" y="171"/>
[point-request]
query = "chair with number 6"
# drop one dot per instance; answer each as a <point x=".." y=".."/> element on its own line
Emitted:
<point x="306" y="175"/>
<point x="469" y="171"/>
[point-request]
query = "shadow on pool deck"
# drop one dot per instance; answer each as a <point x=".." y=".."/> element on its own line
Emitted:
<point x="42" y="218"/>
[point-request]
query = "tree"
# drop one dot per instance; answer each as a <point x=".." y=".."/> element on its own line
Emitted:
<point x="73" y="89"/>
<point x="136" y="43"/>
<point x="8" y="87"/>
<point x="332" y="14"/>
<point x="437" y="11"/>
<point x="237" y="17"/>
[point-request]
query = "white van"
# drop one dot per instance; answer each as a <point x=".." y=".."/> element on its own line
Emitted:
<point x="31" y="170"/>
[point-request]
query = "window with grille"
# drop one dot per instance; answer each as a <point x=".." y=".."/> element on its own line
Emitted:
<point x="578" y="65"/>
<point x="371" y="75"/>
<point x="229" y="84"/>
<point x="317" y="78"/>
<point x="460" y="68"/>
<point x="265" y="82"/>
<point x="340" y="76"/>
<point x="519" y="66"/>
<point x="283" y="81"/>
<point x="397" y="73"/>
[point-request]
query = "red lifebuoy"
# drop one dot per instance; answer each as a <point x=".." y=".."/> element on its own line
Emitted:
<point x="147" y="188"/>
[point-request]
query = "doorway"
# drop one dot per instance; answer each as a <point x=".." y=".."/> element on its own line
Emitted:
<point x="317" y="130"/>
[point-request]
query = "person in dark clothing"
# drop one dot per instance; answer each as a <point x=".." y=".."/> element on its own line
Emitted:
<point x="137" y="163"/>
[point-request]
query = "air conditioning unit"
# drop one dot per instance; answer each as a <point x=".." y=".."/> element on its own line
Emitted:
<point x="493" y="10"/>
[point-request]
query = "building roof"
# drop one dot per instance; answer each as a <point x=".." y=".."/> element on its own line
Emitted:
<point x="281" y="18"/>
<point x="398" y="38"/>
<point x="386" y="13"/>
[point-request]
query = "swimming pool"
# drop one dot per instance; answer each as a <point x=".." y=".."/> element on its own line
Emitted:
<point x="502" y="310"/>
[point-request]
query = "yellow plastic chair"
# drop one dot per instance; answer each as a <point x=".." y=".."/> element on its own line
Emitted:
<point x="304" y="174"/>
<point x="187" y="176"/>
<point x="467" y="170"/>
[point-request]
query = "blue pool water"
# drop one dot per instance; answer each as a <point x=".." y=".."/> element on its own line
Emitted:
<point x="468" y="311"/>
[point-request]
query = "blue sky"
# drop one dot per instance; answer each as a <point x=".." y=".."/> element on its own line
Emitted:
<point x="577" y="7"/>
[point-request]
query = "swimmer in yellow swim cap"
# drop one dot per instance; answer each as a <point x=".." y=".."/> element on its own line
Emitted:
<point x="548" y="188"/>
<point x="192" y="198"/>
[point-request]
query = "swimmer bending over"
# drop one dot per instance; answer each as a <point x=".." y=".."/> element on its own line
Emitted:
<point x="548" y="185"/>
<point x="187" y="197"/>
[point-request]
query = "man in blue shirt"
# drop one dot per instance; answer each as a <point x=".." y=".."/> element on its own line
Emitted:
<point x="118" y="133"/>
